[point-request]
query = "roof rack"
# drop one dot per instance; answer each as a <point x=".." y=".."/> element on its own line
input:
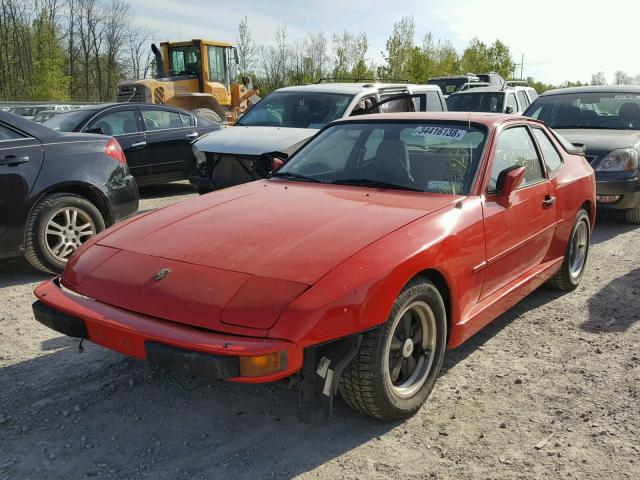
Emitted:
<point x="359" y="80"/>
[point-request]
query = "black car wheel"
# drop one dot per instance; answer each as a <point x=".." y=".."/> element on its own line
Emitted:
<point x="57" y="226"/>
<point x="632" y="216"/>
<point x="575" y="258"/>
<point x="398" y="363"/>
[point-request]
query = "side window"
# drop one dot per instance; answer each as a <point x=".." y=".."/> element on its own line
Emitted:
<point x="433" y="102"/>
<point x="552" y="158"/>
<point x="8" y="134"/>
<point x="515" y="147"/>
<point x="187" y="120"/>
<point x="511" y="102"/>
<point x="117" y="123"/>
<point x="400" y="105"/>
<point x="524" y="101"/>
<point x="161" y="119"/>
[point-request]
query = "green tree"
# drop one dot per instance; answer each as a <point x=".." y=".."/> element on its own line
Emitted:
<point x="48" y="78"/>
<point x="480" y="58"/>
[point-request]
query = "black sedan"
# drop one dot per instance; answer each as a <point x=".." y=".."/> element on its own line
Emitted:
<point x="58" y="190"/>
<point x="606" y="121"/>
<point x="156" y="139"/>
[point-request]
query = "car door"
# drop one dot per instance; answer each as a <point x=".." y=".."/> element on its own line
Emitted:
<point x="169" y="136"/>
<point x="20" y="161"/>
<point x="518" y="233"/>
<point x="125" y="126"/>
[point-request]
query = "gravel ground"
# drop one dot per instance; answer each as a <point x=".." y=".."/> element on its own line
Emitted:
<point x="550" y="390"/>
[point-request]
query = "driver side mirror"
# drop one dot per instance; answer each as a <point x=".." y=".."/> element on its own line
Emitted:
<point x="508" y="110"/>
<point x="509" y="180"/>
<point x="276" y="163"/>
<point x="97" y="130"/>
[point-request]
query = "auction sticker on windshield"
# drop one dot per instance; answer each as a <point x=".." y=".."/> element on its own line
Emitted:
<point x="441" y="132"/>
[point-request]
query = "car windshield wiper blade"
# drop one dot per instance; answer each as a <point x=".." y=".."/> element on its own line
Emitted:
<point x="367" y="182"/>
<point x="295" y="176"/>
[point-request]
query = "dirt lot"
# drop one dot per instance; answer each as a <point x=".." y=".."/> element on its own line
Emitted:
<point x="560" y="369"/>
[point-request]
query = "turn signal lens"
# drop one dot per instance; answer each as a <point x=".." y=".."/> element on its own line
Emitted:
<point x="263" y="364"/>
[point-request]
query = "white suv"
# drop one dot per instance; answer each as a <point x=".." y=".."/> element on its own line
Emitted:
<point x="283" y="120"/>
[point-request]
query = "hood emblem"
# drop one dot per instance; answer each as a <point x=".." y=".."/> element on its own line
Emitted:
<point x="163" y="272"/>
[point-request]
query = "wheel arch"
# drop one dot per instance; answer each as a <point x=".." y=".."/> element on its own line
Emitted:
<point x="84" y="190"/>
<point x="436" y="277"/>
<point x="588" y="206"/>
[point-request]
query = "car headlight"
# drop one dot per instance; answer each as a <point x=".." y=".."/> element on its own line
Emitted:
<point x="620" y="160"/>
<point x="200" y="156"/>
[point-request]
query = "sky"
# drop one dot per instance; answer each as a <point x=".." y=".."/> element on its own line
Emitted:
<point x="560" y="39"/>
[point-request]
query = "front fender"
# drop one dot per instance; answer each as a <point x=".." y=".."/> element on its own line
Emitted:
<point x="360" y="292"/>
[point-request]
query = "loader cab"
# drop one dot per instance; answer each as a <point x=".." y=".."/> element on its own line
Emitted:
<point x="209" y="61"/>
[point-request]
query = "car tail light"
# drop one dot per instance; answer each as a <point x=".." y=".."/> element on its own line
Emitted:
<point x="114" y="150"/>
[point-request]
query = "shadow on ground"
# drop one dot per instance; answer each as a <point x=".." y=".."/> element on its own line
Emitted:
<point x="610" y="224"/>
<point x="615" y="308"/>
<point x="17" y="271"/>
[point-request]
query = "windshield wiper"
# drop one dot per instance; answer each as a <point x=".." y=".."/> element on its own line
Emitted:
<point x="367" y="182"/>
<point x="295" y="176"/>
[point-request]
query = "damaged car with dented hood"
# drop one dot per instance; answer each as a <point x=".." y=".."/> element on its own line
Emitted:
<point x="389" y="239"/>
<point x="282" y="121"/>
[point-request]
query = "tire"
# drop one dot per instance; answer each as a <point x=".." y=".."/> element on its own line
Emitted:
<point x="367" y="384"/>
<point x="632" y="216"/>
<point x="43" y="238"/>
<point x="204" y="191"/>
<point x="209" y="114"/>
<point x="572" y="269"/>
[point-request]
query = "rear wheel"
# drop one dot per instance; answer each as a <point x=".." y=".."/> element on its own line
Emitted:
<point x="210" y="114"/>
<point x="398" y="363"/>
<point x="632" y="215"/>
<point x="575" y="258"/>
<point x="57" y="226"/>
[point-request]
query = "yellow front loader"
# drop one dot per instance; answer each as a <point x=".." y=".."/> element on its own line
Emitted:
<point x="197" y="75"/>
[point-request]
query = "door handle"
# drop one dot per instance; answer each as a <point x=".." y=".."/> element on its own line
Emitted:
<point x="138" y="144"/>
<point x="12" y="160"/>
<point x="548" y="201"/>
<point x="191" y="135"/>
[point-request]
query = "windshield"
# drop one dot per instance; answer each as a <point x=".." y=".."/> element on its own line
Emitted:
<point x="426" y="157"/>
<point x="614" y="110"/>
<point x="476" y="102"/>
<point x="297" y="110"/>
<point x="448" y="85"/>
<point x="67" y="122"/>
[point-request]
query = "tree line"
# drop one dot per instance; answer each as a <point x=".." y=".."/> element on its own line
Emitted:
<point x="59" y="50"/>
<point x="80" y="50"/>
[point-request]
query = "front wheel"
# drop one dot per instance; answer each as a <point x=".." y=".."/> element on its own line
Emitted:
<point x="398" y="363"/>
<point x="575" y="258"/>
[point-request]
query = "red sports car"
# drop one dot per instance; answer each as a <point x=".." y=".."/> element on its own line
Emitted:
<point x="381" y="243"/>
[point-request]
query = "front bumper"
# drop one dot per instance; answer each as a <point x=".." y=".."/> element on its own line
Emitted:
<point x="628" y="191"/>
<point x="177" y="347"/>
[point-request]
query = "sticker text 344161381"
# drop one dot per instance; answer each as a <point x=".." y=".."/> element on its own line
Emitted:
<point x="443" y="132"/>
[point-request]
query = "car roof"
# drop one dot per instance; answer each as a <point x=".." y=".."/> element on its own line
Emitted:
<point x="352" y="88"/>
<point x="25" y="125"/>
<point x="484" y="118"/>
<point x="594" y="89"/>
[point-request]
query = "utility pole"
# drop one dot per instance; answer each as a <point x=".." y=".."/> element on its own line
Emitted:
<point x="521" y="65"/>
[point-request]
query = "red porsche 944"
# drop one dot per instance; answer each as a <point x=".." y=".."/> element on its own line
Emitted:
<point x="380" y="244"/>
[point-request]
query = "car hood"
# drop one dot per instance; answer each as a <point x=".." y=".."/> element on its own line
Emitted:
<point x="241" y="140"/>
<point x="598" y="141"/>
<point x="287" y="230"/>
